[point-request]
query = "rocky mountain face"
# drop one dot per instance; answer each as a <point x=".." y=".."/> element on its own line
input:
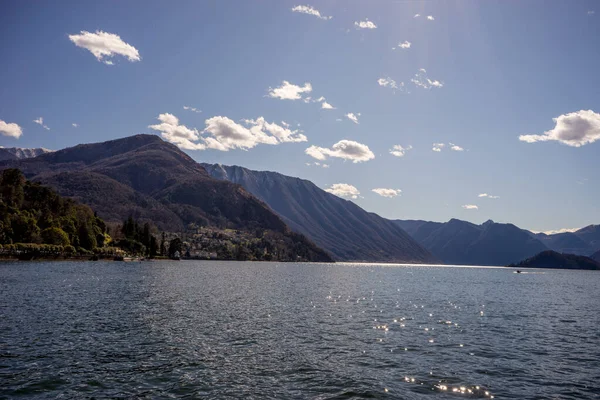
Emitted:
<point x="463" y="243"/>
<point x="339" y="226"/>
<point x="18" y="153"/>
<point x="152" y="180"/>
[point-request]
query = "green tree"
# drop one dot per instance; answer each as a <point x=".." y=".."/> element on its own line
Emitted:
<point x="55" y="236"/>
<point x="175" y="245"/>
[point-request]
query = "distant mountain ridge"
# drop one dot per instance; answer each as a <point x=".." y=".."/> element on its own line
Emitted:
<point x="152" y="180"/>
<point x="584" y="241"/>
<point x="18" y="153"/>
<point x="339" y="226"/>
<point x="461" y="242"/>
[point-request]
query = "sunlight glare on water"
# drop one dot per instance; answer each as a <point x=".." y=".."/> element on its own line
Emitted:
<point x="231" y="330"/>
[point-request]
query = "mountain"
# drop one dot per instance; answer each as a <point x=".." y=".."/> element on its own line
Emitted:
<point x="18" y="153"/>
<point x="552" y="259"/>
<point x="153" y="181"/>
<point x="584" y="241"/>
<point x="339" y="226"/>
<point x="596" y="256"/>
<point x="461" y="242"/>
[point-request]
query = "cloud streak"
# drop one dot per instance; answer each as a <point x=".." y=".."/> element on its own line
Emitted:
<point x="470" y="207"/>
<point x="40" y="121"/>
<point x="389" y="193"/>
<point x="344" y="149"/>
<point x="309" y="10"/>
<point x="103" y="44"/>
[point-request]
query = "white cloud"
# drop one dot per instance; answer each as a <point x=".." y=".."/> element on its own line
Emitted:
<point x="10" y="129"/>
<point x="438" y="147"/>
<point x="591" y="12"/>
<point x="388" y="82"/>
<point x="175" y="133"/>
<point x="310" y="11"/>
<point x="399" y="151"/>
<point x="74" y="125"/>
<point x="405" y="45"/>
<point x="343" y="190"/>
<point x="455" y="147"/>
<point x="344" y="149"/>
<point x="417" y="15"/>
<point x="225" y="134"/>
<point x="489" y="196"/>
<point x="422" y="80"/>
<point x="103" y="44"/>
<point x="40" y="121"/>
<point x="574" y="129"/>
<point x="470" y="207"/>
<point x="289" y="91"/>
<point x="430" y="17"/>
<point x="353" y="117"/>
<point x="365" y="24"/>
<point x="193" y="109"/>
<point x="326" y="106"/>
<point x="389" y="193"/>
<point x="318" y="164"/>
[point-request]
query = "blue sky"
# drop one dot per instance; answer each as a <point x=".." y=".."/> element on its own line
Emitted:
<point x="495" y="71"/>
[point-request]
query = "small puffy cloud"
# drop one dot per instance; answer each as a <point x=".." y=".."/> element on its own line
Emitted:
<point x="405" y="45"/>
<point x="289" y="91"/>
<point x="438" y="147"/>
<point x="574" y="129"/>
<point x="178" y="134"/>
<point x="470" y="207"/>
<point x="417" y="15"/>
<point x="10" y="129"/>
<point x="430" y="18"/>
<point x="74" y="125"/>
<point x="591" y="12"/>
<point x="422" y="80"/>
<point x="488" y="196"/>
<point x="343" y="190"/>
<point x="103" y="44"/>
<point x="455" y="147"/>
<point x="365" y="24"/>
<point x="344" y="149"/>
<point x="40" y="121"/>
<point x="324" y="104"/>
<point x="399" y="151"/>
<point x="309" y="11"/>
<point x="388" y="82"/>
<point x="317" y="164"/>
<point x="224" y="134"/>
<point x="353" y="117"/>
<point x="193" y="109"/>
<point x="389" y="193"/>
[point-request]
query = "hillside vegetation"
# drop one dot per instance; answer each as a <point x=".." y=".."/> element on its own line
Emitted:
<point x="32" y="213"/>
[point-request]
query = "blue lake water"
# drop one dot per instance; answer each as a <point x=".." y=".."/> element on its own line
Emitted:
<point x="200" y="329"/>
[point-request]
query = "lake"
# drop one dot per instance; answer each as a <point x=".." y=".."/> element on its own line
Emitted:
<point x="207" y="329"/>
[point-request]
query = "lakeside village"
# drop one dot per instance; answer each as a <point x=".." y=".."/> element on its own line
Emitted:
<point x="131" y="241"/>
